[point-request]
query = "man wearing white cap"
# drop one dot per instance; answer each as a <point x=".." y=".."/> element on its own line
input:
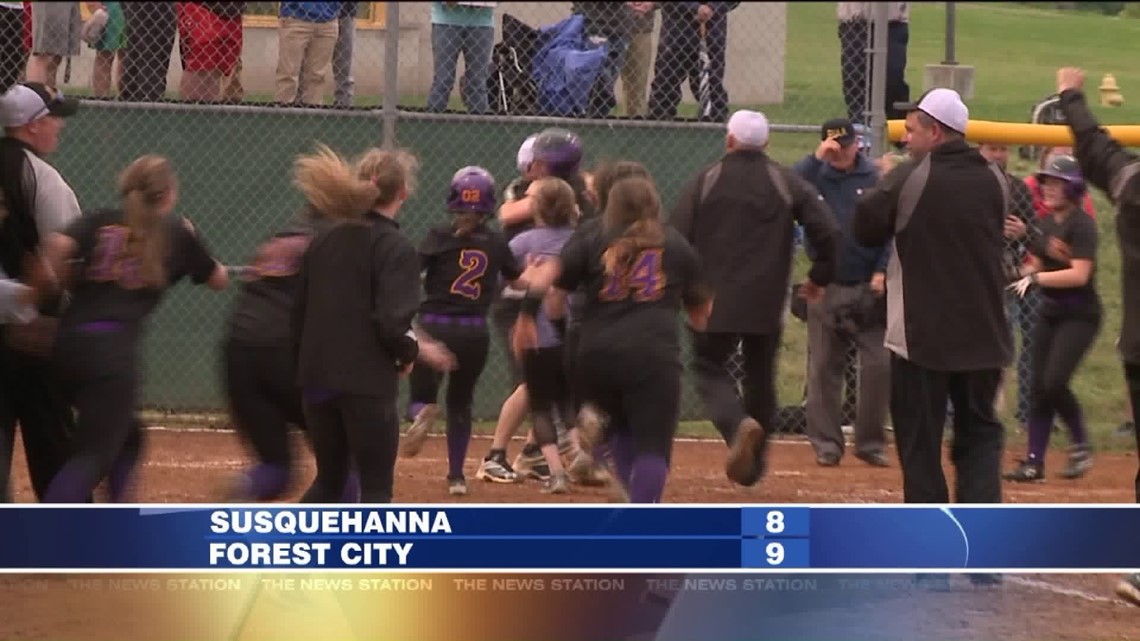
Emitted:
<point x="739" y="214"/>
<point x="947" y="327"/>
<point x="37" y="202"/>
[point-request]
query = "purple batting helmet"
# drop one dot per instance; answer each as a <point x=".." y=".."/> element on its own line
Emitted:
<point x="1066" y="168"/>
<point x="472" y="189"/>
<point x="560" y="150"/>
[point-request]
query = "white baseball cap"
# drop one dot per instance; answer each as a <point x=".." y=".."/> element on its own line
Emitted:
<point x="526" y="154"/>
<point x="943" y="105"/>
<point x="749" y="128"/>
<point x="27" y="102"/>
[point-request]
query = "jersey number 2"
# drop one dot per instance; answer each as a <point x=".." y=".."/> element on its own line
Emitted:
<point x="474" y="265"/>
<point x="112" y="262"/>
<point x="645" y="279"/>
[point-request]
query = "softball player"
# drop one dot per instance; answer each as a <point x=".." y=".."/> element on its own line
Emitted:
<point x="1063" y="265"/>
<point x="358" y="292"/>
<point x="260" y="373"/>
<point x="461" y="262"/>
<point x="125" y="260"/>
<point x="637" y="274"/>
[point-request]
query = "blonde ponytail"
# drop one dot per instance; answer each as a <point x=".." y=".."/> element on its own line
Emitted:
<point x="143" y="187"/>
<point x="331" y="186"/>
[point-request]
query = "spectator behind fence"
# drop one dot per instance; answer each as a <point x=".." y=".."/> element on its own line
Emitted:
<point x="850" y="311"/>
<point x="109" y="46"/>
<point x="855" y="35"/>
<point x="343" y="83"/>
<point x="639" y="59"/>
<point x="467" y="28"/>
<point x="55" y="36"/>
<point x="609" y="25"/>
<point x="210" y="38"/>
<point x="151" y="27"/>
<point x="12" y="56"/>
<point x="679" y="57"/>
<point x="739" y="214"/>
<point x="306" y="39"/>
<point x="946" y="320"/>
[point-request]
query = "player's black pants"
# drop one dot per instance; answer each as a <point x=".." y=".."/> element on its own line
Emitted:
<point x="264" y="400"/>
<point x="1060" y="343"/>
<point x="30" y="395"/>
<point x="1132" y="378"/>
<point x="547" y="389"/>
<point x="152" y="27"/>
<point x="918" y="413"/>
<point x="711" y="354"/>
<point x="98" y="370"/>
<point x="641" y="396"/>
<point x="348" y="430"/>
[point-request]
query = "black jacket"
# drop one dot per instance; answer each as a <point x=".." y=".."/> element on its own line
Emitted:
<point x="945" y="282"/>
<point x="1113" y="170"/>
<point x="358" y="293"/>
<point x="740" y="214"/>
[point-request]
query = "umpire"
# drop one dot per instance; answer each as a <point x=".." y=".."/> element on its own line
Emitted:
<point x="38" y="202"/>
<point x="947" y="328"/>
<point x="739" y="214"/>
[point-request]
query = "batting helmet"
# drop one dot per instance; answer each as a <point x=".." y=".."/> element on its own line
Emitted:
<point x="472" y="189"/>
<point x="1066" y="168"/>
<point x="560" y="150"/>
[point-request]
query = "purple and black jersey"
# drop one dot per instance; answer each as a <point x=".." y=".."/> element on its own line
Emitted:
<point x="461" y="274"/>
<point x="634" y="313"/>
<point x="108" y="286"/>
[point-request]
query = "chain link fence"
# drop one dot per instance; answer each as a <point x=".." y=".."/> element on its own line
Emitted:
<point x="233" y="91"/>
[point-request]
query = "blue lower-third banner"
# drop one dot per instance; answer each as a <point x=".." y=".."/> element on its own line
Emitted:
<point x="692" y="538"/>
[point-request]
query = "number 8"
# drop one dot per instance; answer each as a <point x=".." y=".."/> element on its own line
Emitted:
<point x="775" y="522"/>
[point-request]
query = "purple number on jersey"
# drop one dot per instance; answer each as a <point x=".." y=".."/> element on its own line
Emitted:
<point x="279" y="257"/>
<point x="645" y="278"/>
<point x="474" y="263"/>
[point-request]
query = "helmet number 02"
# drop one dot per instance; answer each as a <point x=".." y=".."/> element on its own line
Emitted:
<point x="645" y="279"/>
<point x="470" y="196"/>
<point x="473" y="265"/>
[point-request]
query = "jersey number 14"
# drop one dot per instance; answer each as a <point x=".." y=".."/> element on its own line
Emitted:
<point x="644" y="279"/>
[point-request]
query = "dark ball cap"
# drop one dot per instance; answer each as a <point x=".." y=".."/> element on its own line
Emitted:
<point x="559" y="149"/>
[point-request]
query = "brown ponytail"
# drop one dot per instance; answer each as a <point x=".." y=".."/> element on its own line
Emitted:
<point x="144" y="187"/>
<point x="332" y="187"/>
<point x="608" y="174"/>
<point x="633" y="208"/>
<point x="392" y="172"/>
<point x="554" y="203"/>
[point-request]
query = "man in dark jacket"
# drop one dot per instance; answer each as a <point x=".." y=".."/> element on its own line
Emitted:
<point x="739" y="214"/>
<point x="946" y="322"/>
<point x="1114" y="171"/>
<point x="608" y="24"/>
<point x="684" y="25"/>
<point x="849" y="314"/>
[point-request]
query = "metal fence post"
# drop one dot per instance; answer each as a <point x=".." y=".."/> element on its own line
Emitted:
<point x="880" y="19"/>
<point x="951" y="24"/>
<point x="391" y="101"/>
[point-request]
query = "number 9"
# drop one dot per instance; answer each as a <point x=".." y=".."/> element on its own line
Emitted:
<point x="775" y="552"/>
<point x="775" y="522"/>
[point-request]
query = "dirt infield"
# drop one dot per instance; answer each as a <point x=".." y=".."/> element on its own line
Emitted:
<point x="194" y="466"/>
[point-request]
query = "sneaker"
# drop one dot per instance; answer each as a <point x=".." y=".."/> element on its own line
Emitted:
<point x="1129" y="589"/>
<point x="496" y="470"/>
<point x="416" y="435"/>
<point x="743" y="465"/>
<point x="1027" y="472"/>
<point x="827" y="459"/>
<point x="531" y="466"/>
<point x="590" y="427"/>
<point x="457" y="487"/>
<point x="1080" y="462"/>
<point x="566" y="445"/>
<point x="557" y="484"/>
<point x="584" y="470"/>
<point x="874" y="459"/>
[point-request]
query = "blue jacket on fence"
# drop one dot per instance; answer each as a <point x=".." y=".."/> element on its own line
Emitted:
<point x="565" y="67"/>
<point x="841" y="190"/>
<point x="310" y="11"/>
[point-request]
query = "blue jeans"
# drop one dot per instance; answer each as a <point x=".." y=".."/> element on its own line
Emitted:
<point x="1023" y="315"/>
<point x="476" y="44"/>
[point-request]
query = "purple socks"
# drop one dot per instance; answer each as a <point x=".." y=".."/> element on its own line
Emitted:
<point x="1039" y="429"/>
<point x="648" y="481"/>
<point x="621" y="451"/>
<point x="119" y="480"/>
<point x="71" y="484"/>
<point x="1076" y="425"/>
<point x="267" y="482"/>
<point x="458" y="437"/>
<point x="351" y="489"/>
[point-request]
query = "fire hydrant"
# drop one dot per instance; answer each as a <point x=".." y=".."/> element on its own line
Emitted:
<point x="1110" y="95"/>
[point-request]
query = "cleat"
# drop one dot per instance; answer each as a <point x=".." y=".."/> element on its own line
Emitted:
<point x="1027" y="472"/>
<point x="531" y="466"/>
<point x="591" y="424"/>
<point x="1080" y="462"/>
<point x="586" y="471"/>
<point x="1129" y="589"/>
<point x="874" y="459"/>
<point x="416" y="435"/>
<point x="457" y="487"/>
<point x="743" y="456"/>
<point x="494" y="470"/>
<point x="566" y="445"/>
<point x="827" y="459"/>
<point x="557" y="484"/>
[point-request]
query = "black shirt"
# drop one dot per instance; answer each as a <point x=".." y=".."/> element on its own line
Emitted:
<point x="1078" y="231"/>
<point x="461" y="274"/>
<point x="107" y="284"/>
<point x="634" y="317"/>
<point x="261" y="310"/>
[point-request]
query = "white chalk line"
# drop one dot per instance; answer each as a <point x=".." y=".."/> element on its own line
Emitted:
<point x="1047" y="586"/>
